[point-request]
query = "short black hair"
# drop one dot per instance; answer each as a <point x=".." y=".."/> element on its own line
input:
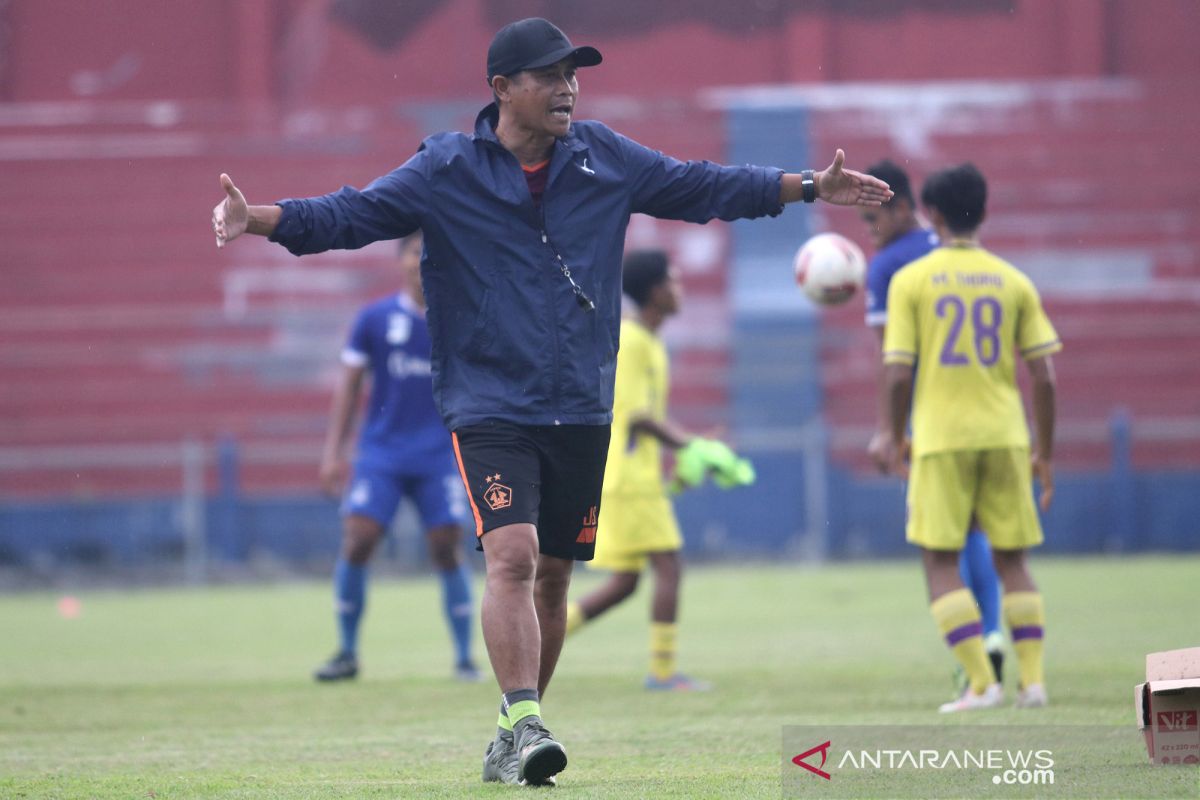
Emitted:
<point x="643" y="270"/>
<point x="894" y="176"/>
<point x="959" y="193"/>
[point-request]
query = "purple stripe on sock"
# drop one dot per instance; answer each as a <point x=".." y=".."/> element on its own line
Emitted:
<point x="1027" y="632"/>
<point x="964" y="632"/>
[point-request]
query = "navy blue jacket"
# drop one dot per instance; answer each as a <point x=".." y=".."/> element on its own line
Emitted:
<point x="510" y="340"/>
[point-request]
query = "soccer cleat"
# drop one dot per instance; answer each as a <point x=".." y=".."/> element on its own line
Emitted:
<point x="994" y="643"/>
<point x="467" y="673"/>
<point x="540" y="756"/>
<point x="992" y="697"/>
<point x="342" y="667"/>
<point x="677" y="683"/>
<point x="997" y="659"/>
<point x="500" y="761"/>
<point x="1033" y="697"/>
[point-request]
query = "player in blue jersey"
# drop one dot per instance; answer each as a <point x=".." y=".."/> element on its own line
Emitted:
<point x="899" y="238"/>
<point x="404" y="450"/>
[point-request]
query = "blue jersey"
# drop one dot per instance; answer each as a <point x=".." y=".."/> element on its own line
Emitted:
<point x="403" y="429"/>
<point x="886" y="263"/>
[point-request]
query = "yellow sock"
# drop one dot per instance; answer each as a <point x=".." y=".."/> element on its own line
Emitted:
<point x="1026" y="618"/>
<point x="575" y="618"/>
<point x="662" y="649"/>
<point x="957" y="617"/>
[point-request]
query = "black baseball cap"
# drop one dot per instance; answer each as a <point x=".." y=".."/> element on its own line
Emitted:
<point x="532" y="43"/>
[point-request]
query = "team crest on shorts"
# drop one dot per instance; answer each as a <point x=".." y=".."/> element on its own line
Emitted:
<point x="497" y="495"/>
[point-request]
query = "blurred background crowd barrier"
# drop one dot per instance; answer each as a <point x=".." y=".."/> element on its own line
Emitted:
<point x="162" y="403"/>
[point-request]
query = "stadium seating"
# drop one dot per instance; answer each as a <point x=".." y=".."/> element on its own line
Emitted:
<point x="127" y="327"/>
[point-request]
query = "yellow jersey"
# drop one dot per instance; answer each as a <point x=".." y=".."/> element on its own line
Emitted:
<point x="959" y="313"/>
<point x="635" y="466"/>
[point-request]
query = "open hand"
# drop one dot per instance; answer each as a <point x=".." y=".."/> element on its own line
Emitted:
<point x="875" y="449"/>
<point x="845" y="187"/>
<point x="333" y="475"/>
<point x="893" y="456"/>
<point x="230" y="216"/>
<point x="1043" y="470"/>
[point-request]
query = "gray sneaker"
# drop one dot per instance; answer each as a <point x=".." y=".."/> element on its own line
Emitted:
<point x="500" y="760"/>
<point x="540" y="756"/>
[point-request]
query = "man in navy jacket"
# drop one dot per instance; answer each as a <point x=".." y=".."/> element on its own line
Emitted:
<point x="524" y="222"/>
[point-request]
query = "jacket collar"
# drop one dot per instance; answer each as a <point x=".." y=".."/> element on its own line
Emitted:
<point x="489" y="117"/>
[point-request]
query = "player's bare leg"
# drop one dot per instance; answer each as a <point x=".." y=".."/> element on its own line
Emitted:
<point x="1013" y="567"/>
<point x="664" y="610"/>
<point x="941" y="572"/>
<point x="360" y="536"/>
<point x="668" y="571"/>
<point x="508" y="615"/>
<point x="614" y="591"/>
<point x="444" y="546"/>
<point x="550" y="601"/>
<point x="957" y="616"/>
<point x="1026" y="618"/>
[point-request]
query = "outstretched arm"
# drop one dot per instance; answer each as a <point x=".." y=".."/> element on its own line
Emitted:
<point x="837" y="185"/>
<point x="389" y="207"/>
<point x="232" y="216"/>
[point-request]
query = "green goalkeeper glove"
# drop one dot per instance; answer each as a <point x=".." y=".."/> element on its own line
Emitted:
<point x="699" y="457"/>
<point x="691" y="463"/>
<point x="739" y="472"/>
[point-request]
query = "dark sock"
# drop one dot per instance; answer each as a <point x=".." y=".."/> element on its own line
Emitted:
<point x="520" y="704"/>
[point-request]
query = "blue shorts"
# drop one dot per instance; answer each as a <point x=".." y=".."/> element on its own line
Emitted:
<point x="375" y="492"/>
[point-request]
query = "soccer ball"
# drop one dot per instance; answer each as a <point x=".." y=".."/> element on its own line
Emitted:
<point x="829" y="268"/>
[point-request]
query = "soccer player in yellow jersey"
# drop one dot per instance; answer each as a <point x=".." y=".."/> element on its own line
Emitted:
<point x="961" y="312"/>
<point x="637" y="522"/>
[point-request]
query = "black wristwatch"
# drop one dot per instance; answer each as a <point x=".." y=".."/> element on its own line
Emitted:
<point x="808" y="182"/>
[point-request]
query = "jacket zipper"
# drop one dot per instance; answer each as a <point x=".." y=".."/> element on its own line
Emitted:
<point x="557" y="377"/>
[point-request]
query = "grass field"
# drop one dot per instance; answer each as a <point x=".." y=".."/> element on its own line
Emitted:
<point x="206" y="693"/>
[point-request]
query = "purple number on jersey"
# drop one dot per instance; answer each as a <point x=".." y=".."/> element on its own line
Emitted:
<point x="987" y="331"/>
<point x="986" y="315"/>
<point x="954" y="305"/>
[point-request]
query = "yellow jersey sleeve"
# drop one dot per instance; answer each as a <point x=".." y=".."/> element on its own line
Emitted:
<point x="900" y="341"/>
<point x="1036" y="337"/>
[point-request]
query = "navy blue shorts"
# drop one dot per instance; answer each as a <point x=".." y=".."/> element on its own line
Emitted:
<point x="375" y="492"/>
<point x="547" y="475"/>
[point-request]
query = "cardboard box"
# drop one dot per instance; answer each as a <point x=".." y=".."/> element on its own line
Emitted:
<point x="1168" y="706"/>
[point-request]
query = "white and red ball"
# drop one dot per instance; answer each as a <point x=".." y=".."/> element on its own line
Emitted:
<point x="830" y="268"/>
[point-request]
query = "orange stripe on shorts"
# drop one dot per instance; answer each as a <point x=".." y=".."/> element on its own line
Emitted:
<point x="462" y="470"/>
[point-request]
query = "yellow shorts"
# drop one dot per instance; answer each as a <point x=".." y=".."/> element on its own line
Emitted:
<point x="631" y="526"/>
<point x="996" y="486"/>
